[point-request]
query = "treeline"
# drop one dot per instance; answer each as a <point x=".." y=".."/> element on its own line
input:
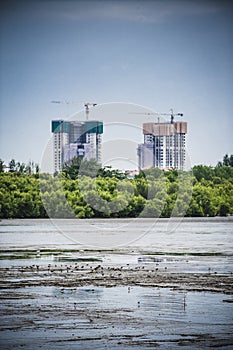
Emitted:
<point x="22" y="168"/>
<point x="84" y="190"/>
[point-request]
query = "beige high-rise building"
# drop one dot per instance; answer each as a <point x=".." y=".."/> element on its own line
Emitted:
<point x="164" y="146"/>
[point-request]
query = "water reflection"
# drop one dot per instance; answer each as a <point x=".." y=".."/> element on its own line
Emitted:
<point x="86" y="316"/>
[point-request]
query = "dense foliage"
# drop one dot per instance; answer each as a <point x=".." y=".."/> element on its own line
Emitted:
<point x="20" y="196"/>
<point x="84" y="190"/>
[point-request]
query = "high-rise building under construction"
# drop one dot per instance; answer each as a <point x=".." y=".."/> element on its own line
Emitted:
<point x="76" y="139"/>
<point x="164" y="145"/>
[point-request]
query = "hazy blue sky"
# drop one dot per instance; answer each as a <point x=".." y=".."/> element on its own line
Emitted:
<point x="159" y="54"/>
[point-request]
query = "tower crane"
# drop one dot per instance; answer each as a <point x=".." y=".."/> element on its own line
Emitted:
<point x="172" y="114"/>
<point x="87" y="105"/>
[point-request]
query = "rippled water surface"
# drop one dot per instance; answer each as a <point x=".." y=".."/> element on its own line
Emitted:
<point x="166" y="235"/>
<point x="198" y="241"/>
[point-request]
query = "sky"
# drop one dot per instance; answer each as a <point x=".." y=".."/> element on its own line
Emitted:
<point x="144" y="55"/>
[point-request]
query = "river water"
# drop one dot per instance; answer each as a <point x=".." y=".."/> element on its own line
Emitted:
<point x="184" y="235"/>
<point x="121" y="317"/>
<point x="203" y="241"/>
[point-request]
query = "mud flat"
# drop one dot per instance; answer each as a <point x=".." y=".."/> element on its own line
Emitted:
<point x="167" y="290"/>
<point x="97" y="274"/>
<point x="93" y="305"/>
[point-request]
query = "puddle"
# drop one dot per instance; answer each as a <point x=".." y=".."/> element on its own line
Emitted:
<point x="77" y="259"/>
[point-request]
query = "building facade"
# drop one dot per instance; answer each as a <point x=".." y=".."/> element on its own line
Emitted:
<point x="164" y="146"/>
<point x="76" y="138"/>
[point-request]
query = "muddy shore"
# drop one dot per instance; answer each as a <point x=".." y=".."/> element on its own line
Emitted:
<point x="70" y="306"/>
<point x="167" y="290"/>
<point x="97" y="274"/>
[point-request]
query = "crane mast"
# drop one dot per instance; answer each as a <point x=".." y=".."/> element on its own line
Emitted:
<point x="87" y="106"/>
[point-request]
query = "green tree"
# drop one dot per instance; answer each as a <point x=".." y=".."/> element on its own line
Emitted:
<point x="107" y="193"/>
<point x="226" y="160"/>
<point x="153" y="208"/>
<point x="224" y="209"/>
<point x="231" y="160"/>
<point x="107" y="171"/>
<point x="80" y="167"/>
<point x="141" y="186"/>
<point x="71" y="168"/>
<point x="12" y="166"/>
<point x="21" y="168"/>
<point x="1" y="166"/>
<point x="203" y="172"/>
